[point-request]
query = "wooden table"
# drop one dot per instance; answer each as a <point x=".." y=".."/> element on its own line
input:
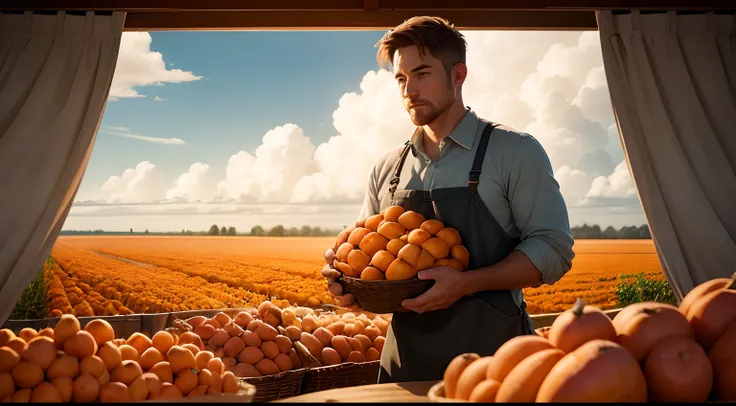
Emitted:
<point x="383" y="393"/>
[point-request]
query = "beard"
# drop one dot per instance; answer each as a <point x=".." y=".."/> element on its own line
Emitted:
<point x="428" y="112"/>
<point x="424" y="115"/>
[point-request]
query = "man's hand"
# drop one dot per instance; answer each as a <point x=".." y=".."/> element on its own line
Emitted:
<point x="448" y="288"/>
<point x="330" y="274"/>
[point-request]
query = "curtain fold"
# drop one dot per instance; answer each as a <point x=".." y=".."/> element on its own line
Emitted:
<point x="55" y="76"/>
<point x="672" y="82"/>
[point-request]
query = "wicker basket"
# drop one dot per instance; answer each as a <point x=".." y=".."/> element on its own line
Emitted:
<point x="341" y="376"/>
<point x="436" y="394"/>
<point x="383" y="296"/>
<point x="277" y="386"/>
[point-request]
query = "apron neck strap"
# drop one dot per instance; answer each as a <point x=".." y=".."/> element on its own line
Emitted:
<point x="480" y="154"/>
<point x="397" y="169"/>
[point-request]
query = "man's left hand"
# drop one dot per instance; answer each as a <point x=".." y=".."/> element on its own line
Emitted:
<point x="448" y="288"/>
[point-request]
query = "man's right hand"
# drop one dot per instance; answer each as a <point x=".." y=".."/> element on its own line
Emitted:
<point x="335" y="289"/>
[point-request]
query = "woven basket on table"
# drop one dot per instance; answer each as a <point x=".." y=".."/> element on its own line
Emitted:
<point x="383" y="296"/>
<point x="341" y="376"/>
<point x="277" y="386"/>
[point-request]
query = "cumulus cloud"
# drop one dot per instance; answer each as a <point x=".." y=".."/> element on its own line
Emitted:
<point x="144" y="183"/>
<point x="284" y="156"/>
<point x="139" y="66"/>
<point x="193" y="186"/>
<point x="550" y="85"/>
<point x="159" y="99"/>
<point x="615" y="189"/>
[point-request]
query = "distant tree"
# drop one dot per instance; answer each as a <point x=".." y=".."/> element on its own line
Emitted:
<point x="231" y="231"/>
<point x="317" y="232"/>
<point x="610" y="233"/>
<point x="214" y="230"/>
<point x="131" y="231"/>
<point x="146" y="231"/>
<point x="306" y="231"/>
<point x="257" y="231"/>
<point x="223" y="230"/>
<point x="277" y="231"/>
<point x="294" y="232"/>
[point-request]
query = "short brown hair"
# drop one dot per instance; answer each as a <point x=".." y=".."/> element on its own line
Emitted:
<point x="433" y="34"/>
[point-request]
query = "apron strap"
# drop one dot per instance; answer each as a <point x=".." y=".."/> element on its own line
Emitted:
<point x="480" y="154"/>
<point x="394" y="182"/>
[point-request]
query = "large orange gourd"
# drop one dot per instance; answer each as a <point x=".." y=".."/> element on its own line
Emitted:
<point x="711" y="309"/>
<point x="641" y="326"/>
<point x="579" y="325"/>
<point x="597" y="371"/>
<point x="723" y="359"/>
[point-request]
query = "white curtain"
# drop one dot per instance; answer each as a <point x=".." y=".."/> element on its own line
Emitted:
<point x="672" y="80"/>
<point x="55" y="75"/>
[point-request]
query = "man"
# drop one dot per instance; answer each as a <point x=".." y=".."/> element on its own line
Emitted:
<point x="493" y="184"/>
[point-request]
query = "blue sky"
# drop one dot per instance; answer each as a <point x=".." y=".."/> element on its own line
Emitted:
<point x="253" y="81"/>
<point x="245" y="128"/>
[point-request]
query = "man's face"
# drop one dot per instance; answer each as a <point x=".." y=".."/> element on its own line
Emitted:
<point x="426" y="89"/>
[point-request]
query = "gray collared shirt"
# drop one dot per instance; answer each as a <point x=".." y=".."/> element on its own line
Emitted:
<point x="516" y="183"/>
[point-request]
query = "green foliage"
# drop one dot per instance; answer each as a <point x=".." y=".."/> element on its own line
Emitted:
<point x="595" y="232"/>
<point x="643" y="290"/>
<point x="32" y="302"/>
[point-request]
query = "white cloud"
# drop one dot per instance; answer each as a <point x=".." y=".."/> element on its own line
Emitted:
<point x="195" y="185"/>
<point x="551" y="85"/>
<point x="155" y="140"/>
<point x="574" y="183"/>
<point x="282" y="159"/>
<point x="615" y="189"/>
<point x="142" y="184"/>
<point x="159" y="99"/>
<point x="139" y="66"/>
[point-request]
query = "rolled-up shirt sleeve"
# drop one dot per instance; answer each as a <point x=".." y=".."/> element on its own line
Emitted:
<point x="540" y="212"/>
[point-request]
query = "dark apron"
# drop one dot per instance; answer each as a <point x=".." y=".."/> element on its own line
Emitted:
<point x="420" y="346"/>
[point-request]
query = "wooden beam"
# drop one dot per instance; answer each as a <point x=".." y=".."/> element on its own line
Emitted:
<point x="356" y="20"/>
<point x="355" y="5"/>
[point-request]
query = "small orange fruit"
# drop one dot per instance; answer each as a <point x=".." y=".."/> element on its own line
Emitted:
<point x="163" y="341"/>
<point x="400" y="270"/>
<point x="393" y="213"/>
<point x="86" y="388"/>
<point x="128" y="353"/>
<point x="410" y="254"/>
<point x="382" y="259"/>
<point x="426" y="260"/>
<point x="395" y="245"/>
<point x="101" y="330"/>
<point x="358" y="260"/>
<point x="418" y="236"/>
<point x="356" y="236"/>
<point x="461" y="253"/>
<point x="372" y="243"/>
<point x="111" y="355"/>
<point x="437" y="247"/>
<point x="391" y="230"/>
<point x="372" y="222"/>
<point x="342" y="251"/>
<point x="450" y="236"/>
<point x="411" y="220"/>
<point x="80" y="345"/>
<point x="372" y="274"/>
<point x="432" y="226"/>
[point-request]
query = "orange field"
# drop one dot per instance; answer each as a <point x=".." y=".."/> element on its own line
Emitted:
<point x="118" y="275"/>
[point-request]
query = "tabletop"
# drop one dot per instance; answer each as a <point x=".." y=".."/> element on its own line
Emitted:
<point x="385" y="392"/>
